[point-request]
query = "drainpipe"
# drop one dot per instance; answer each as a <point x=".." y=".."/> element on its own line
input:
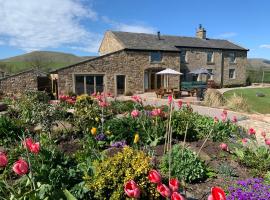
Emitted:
<point x="222" y="69"/>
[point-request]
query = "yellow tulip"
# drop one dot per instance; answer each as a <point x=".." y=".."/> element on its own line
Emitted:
<point x="108" y="132"/>
<point x="94" y="131"/>
<point x="136" y="138"/>
<point x="97" y="119"/>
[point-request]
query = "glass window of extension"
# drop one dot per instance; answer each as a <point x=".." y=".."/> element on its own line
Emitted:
<point x="88" y="84"/>
<point x="183" y="56"/>
<point x="231" y="73"/>
<point x="232" y="57"/>
<point x="155" y="57"/>
<point x="210" y="57"/>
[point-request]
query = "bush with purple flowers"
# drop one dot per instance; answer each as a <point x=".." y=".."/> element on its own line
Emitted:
<point x="250" y="189"/>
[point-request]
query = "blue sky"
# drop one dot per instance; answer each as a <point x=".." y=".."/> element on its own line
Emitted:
<point x="77" y="26"/>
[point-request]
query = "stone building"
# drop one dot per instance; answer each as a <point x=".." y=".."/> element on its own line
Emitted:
<point x="130" y="61"/>
<point x="32" y="79"/>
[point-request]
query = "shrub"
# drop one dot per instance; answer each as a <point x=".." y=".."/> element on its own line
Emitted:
<point x="237" y="103"/>
<point x="112" y="173"/>
<point x="122" y="106"/>
<point x="185" y="165"/>
<point x="213" y="98"/>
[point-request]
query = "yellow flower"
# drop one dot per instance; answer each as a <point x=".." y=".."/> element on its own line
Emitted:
<point x="136" y="138"/>
<point x="97" y="119"/>
<point x="94" y="131"/>
<point x="108" y="132"/>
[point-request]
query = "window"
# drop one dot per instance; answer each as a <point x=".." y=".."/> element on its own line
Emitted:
<point x="210" y="57"/>
<point x="155" y="57"/>
<point x="210" y="76"/>
<point x="183" y="56"/>
<point x="88" y="84"/>
<point x="232" y="57"/>
<point x="231" y="73"/>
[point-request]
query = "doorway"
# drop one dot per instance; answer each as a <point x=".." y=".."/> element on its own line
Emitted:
<point x="120" y="84"/>
<point x="153" y="81"/>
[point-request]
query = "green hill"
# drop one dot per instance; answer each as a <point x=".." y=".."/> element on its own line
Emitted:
<point x="44" y="60"/>
<point x="258" y="70"/>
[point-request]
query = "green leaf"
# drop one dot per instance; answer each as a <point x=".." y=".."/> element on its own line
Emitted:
<point x="69" y="195"/>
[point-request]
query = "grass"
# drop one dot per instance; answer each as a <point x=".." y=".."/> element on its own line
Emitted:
<point x="256" y="104"/>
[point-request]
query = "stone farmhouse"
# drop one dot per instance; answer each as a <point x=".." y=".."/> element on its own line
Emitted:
<point x="130" y="61"/>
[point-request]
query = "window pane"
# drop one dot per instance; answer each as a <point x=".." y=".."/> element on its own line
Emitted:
<point x="99" y="83"/>
<point x="90" y="84"/>
<point x="183" y="56"/>
<point x="79" y="85"/>
<point x="232" y="57"/>
<point x="155" y="56"/>
<point x="231" y="73"/>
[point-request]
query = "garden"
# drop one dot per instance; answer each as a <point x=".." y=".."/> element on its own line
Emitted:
<point x="95" y="147"/>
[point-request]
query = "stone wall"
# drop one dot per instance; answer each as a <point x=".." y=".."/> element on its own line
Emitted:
<point x="19" y="83"/>
<point x="109" y="44"/>
<point x="132" y="64"/>
<point x="197" y="58"/>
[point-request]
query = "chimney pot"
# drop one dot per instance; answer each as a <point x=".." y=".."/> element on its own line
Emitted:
<point x="158" y="35"/>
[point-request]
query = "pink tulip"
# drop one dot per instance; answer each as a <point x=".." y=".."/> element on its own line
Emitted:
<point x="135" y="113"/>
<point x="3" y="159"/>
<point x="132" y="190"/>
<point x="154" y="176"/>
<point x="103" y="104"/>
<point x="244" y="141"/>
<point x="164" y="190"/>
<point x="170" y="98"/>
<point x="188" y="104"/>
<point x="20" y="167"/>
<point x="156" y="112"/>
<point x="180" y="104"/>
<point x="263" y="134"/>
<point x="217" y="194"/>
<point x="223" y="117"/>
<point x="177" y="196"/>
<point x="35" y="147"/>
<point x="267" y="142"/>
<point x="224" y="147"/>
<point x="27" y="143"/>
<point x="136" y="99"/>
<point x="234" y="119"/>
<point x="174" y="184"/>
<point x="225" y="112"/>
<point x="252" y="131"/>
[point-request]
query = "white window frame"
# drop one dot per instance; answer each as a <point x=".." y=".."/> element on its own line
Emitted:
<point x="230" y="57"/>
<point x="185" y="60"/>
<point x="154" y="61"/>
<point x="212" y="57"/>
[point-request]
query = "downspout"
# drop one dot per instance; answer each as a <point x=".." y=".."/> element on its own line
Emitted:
<point x="222" y="69"/>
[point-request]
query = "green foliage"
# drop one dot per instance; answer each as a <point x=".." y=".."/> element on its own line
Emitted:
<point x="257" y="158"/>
<point x="226" y="170"/>
<point x="10" y="131"/>
<point x="185" y="165"/>
<point x="112" y="173"/>
<point x="119" y="107"/>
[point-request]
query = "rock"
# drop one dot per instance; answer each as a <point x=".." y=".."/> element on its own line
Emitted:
<point x="259" y="94"/>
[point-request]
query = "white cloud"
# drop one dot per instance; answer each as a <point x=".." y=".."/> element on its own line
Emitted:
<point x="266" y="46"/>
<point x="32" y="24"/>
<point x="227" y="35"/>
<point x="2" y="42"/>
<point x="135" y="27"/>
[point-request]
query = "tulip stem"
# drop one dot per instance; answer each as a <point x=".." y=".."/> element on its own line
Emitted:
<point x="204" y="142"/>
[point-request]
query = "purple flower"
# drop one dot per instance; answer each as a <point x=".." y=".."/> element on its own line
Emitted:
<point x="101" y="137"/>
<point x="119" y="144"/>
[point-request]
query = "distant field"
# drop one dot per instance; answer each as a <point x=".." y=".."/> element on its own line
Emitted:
<point x="257" y="104"/>
<point x="256" y="76"/>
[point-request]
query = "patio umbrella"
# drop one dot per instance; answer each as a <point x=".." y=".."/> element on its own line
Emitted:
<point x="168" y="72"/>
<point x="201" y="71"/>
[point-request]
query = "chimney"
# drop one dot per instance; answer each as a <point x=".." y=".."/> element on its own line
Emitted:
<point x="201" y="32"/>
<point x="158" y="35"/>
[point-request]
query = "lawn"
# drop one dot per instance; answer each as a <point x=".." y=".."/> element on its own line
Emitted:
<point x="257" y="104"/>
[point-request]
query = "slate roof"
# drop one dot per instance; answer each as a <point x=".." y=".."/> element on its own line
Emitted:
<point x="37" y="71"/>
<point x="143" y="41"/>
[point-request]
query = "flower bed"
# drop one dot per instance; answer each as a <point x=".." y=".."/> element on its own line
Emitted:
<point x="121" y="150"/>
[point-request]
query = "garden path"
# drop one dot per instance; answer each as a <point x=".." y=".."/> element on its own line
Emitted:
<point x="245" y="120"/>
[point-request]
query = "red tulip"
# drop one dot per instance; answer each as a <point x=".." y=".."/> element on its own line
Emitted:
<point x="28" y="142"/>
<point x="135" y="113"/>
<point x="3" y="159"/>
<point x="252" y="131"/>
<point x="132" y="190"/>
<point x="156" y="112"/>
<point x="20" y="167"/>
<point x="174" y="184"/>
<point x="224" y="147"/>
<point x="217" y="194"/>
<point x="154" y="176"/>
<point x="267" y="142"/>
<point x="164" y="190"/>
<point x="35" y="147"/>
<point x="177" y="196"/>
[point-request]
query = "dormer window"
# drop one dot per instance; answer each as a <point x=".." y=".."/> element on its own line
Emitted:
<point x="155" y="57"/>
<point x="232" y="57"/>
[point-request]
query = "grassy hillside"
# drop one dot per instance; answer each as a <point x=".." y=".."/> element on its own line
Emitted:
<point x="258" y="70"/>
<point x="45" y="60"/>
